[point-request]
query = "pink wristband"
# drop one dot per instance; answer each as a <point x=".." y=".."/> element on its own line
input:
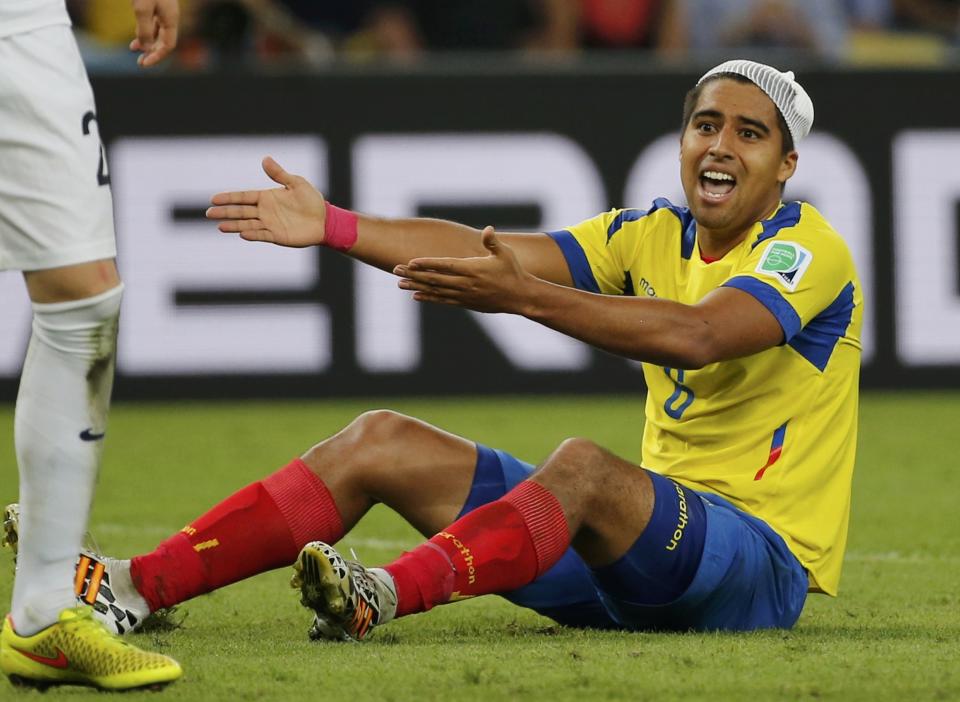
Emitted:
<point x="340" y="228"/>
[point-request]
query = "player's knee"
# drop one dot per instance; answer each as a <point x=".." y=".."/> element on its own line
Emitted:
<point x="582" y="471"/>
<point x="576" y="451"/>
<point x="363" y="445"/>
<point x="85" y="327"/>
<point x="379" y="428"/>
<point x="105" y="306"/>
<point x="572" y="461"/>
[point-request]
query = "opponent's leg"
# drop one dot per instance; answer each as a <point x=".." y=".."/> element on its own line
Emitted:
<point x="77" y="649"/>
<point x="60" y="422"/>
<point x="57" y="226"/>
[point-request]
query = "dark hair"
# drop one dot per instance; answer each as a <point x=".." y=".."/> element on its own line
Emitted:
<point x="693" y="95"/>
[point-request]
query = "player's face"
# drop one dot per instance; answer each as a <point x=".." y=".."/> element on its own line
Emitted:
<point x="731" y="164"/>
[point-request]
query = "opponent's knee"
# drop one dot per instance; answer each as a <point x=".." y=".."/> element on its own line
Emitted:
<point x="84" y="328"/>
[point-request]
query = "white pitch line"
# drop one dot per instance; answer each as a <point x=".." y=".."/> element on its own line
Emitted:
<point x="139" y="528"/>
<point x="133" y="528"/>
<point x="394" y="544"/>
<point x="112" y="528"/>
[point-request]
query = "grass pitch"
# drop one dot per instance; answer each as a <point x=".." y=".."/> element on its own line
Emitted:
<point x="893" y="634"/>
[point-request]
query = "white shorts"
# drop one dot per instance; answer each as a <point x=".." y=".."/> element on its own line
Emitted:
<point x="55" y="203"/>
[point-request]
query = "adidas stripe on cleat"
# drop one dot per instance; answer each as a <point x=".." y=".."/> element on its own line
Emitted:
<point x="78" y="650"/>
<point x="92" y="587"/>
<point x="119" y="607"/>
<point x="348" y="600"/>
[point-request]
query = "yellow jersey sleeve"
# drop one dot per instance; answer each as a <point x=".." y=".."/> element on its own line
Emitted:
<point x="804" y="275"/>
<point x="599" y="262"/>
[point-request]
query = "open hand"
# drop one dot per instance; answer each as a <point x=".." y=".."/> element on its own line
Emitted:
<point x="293" y="215"/>
<point x="492" y="283"/>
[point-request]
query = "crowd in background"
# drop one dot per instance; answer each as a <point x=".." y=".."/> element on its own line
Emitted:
<point x="238" y="34"/>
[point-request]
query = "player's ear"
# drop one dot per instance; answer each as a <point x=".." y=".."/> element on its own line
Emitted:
<point x="788" y="166"/>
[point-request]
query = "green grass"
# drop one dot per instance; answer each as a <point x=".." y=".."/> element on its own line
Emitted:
<point x="893" y="634"/>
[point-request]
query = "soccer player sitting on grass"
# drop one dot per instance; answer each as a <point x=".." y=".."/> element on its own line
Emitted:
<point x="749" y="333"/>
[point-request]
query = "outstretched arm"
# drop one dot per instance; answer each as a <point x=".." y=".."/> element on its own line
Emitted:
<point x="727" y="323"/>
<point x="297" y="215"/>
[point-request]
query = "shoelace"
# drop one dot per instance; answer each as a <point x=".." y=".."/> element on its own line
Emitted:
<point x="359" y="573"/>
<point x="84" y="621"/>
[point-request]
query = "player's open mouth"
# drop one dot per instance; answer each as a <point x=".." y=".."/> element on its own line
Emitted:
<point x="716" y="185"/>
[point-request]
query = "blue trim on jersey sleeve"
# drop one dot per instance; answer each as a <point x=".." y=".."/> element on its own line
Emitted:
<point x="819" y="338"/>
<point x="769" y="297"/>
<point x="688" y="239"/>
<point x="631" y="215"/>
<point x="788" y="216"/>
<point x="688" y="226"/>
<point x="576" y="260"/>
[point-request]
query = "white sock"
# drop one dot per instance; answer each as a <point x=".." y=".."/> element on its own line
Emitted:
<point x="122" y="587"/>
<point x="388" y="604"/>
<point x="60" y="420"/>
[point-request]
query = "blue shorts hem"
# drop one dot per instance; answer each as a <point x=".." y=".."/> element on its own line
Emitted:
<point x="743" y="561"/>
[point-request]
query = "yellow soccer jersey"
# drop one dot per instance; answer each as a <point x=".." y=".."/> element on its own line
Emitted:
<point x="774" y="433"/>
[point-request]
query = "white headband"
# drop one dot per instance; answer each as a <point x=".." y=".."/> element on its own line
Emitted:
<point x="787" y="94"/>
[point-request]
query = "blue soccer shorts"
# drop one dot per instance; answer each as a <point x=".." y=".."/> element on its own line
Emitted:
<point x="701" y="564"/>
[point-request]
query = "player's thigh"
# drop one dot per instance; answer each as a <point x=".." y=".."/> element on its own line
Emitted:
<point x="55" y="203"/>
<point x="663" y="561"/>
<point x="745" y="578"/>
<point x="74" y="282"/>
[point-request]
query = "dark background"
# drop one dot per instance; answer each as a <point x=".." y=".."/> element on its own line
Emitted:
<point x="611" y="113"/>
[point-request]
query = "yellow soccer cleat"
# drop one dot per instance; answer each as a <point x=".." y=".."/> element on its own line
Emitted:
<point x="101" y="582"/>
<point x="78" y="650"/>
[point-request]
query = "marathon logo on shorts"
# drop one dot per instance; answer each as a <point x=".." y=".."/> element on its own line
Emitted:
<point x="786" y="261"/>
<point x="681" y="520"/>
<point x="466" y="553"/>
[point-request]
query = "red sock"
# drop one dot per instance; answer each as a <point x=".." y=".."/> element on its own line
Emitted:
<point x="261" y="527"/>
<point x="498" y="547"/>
